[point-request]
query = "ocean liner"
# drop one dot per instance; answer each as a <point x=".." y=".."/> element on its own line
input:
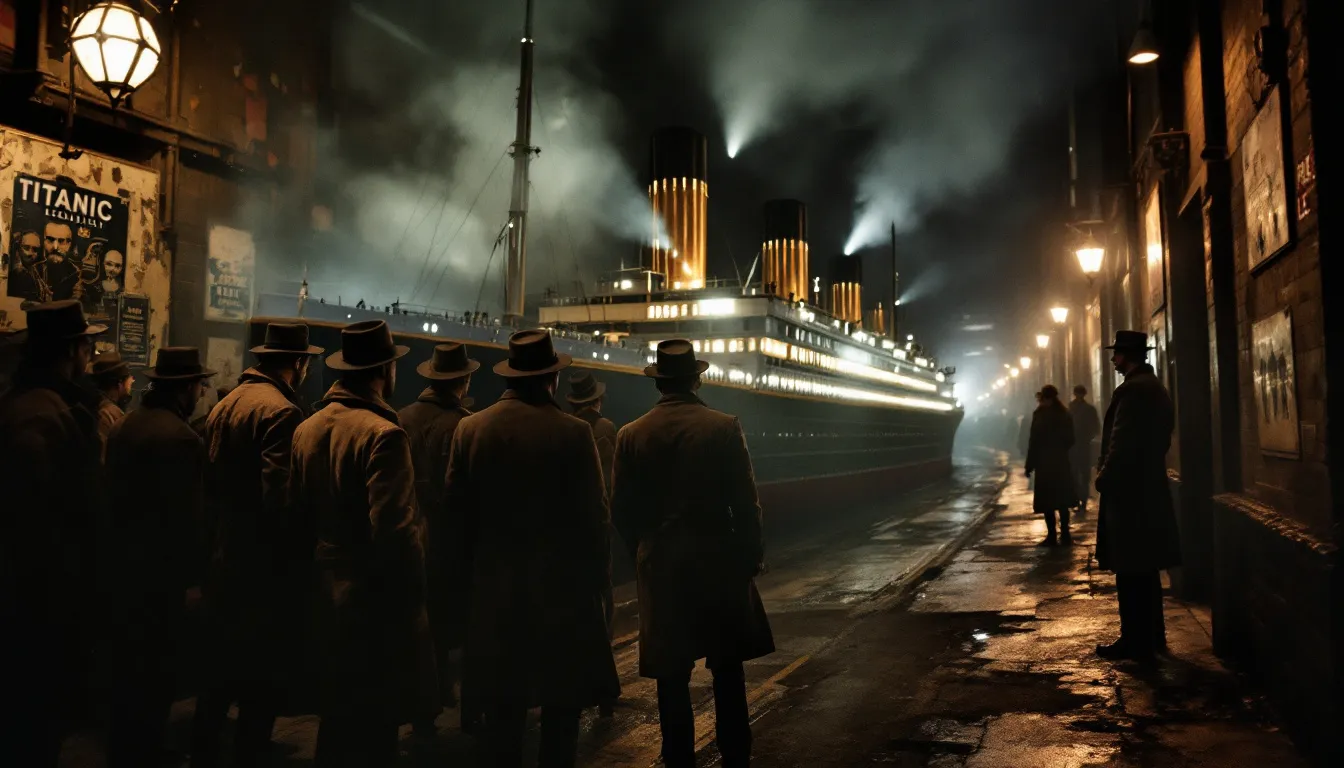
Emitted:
<point x="835" y="407"/>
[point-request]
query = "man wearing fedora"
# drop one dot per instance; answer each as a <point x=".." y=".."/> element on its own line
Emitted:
<point x="112" y="376"/>
<point x="697" y="548"/>
<point x="528" y="483"/>
<point x="1137" y="536"/>
<point x="353" y="484"/>
<point x="49" y="468"/>
<point x="430" y="423"/>
<point x="153" y="550"/>
<point x="250" y="592"/>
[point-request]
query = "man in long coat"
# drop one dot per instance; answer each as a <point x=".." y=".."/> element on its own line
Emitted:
<point x="1048" y="461"/>
<point x="697" y="546"/>
<point x="1137" y="536"/>
<point x="1086" y="427"/>
<point x="354" y="484"/>
<point x="430" y="423"/>
<point x="49" y="468"/>
<point x="155" y="555"/>
<point x="251" y="592"/>
<point x="528" y="482"/>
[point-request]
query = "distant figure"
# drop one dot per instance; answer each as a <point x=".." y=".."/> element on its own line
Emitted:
<point x="359" y="304"/>
<point x="528" y="482"/>
<point x="112" y="377"/>
<point x="1137" y="536"/>
<point x="1048" y="458"/>
<point x="1086" y="427"/>
<point x="697" y="547"/>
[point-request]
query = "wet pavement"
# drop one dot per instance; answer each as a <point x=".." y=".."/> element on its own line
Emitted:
<point x="910" y="634"/>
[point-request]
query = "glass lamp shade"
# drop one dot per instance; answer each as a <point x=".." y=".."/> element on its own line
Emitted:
<point x="116" y="47"/>
<point x="1059" y="314"/>
<point x="1025" y="362"/>
<point x="1089" y="258"/>
<point x="1042" y="340"/>
<point x="1144" y="49"/>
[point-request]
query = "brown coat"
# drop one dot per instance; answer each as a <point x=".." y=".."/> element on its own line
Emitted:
<point x="604" y="434"/>
<point x="1136" y="527"/>
<point x="109" y="413"/>
<point x="1048" y="458"/>
<point x="251" y="590"/>
<point x="430" y="423"/>
<point x="49" y="470"/>
<point x="353" y="484"/>
<point x="527" y="479"/>
<point x="685" y="503"/>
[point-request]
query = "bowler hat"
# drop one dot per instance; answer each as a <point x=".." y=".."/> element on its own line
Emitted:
<point x="449" y="362"/>
<point x="59" y="320"/>
<point x="584" y="388"/>
<point x="110" y="366"/>
<point x="366" y="344"/>
<point x="178" y="364"/>
<point x="676" y="360"/>
<point x="286" y="338"/>
<point x="1134" y="340"/>
<point x="531" y="353"/>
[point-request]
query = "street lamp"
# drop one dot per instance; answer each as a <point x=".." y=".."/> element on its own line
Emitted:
<point x="1144" y="49"/>
<point x="1014" y="373"/>
<point x="1059" y="314"/>
<point x="1090" y="254"/>
<point x="1042" y="340"/>
<point x="1026" y="362"/>
<point x="116" y="47"/>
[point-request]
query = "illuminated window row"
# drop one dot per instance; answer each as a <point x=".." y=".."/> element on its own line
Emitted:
<point x="797" y="354"/>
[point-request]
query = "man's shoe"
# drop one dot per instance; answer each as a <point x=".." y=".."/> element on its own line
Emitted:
<point x="1048" y="541"/>
<point x="1114" y="651"/>
<point x="1066" y="539"/>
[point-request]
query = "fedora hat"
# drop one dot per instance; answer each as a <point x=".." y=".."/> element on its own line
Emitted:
<point x="1137" y="340"/>
<point x="366" y="344"/>
<point x="449" y="362"/>
<point x="531" y="353"/>
<point x="59" y="320"/>
<point x="676" y="360"/>
<point x="583" y="388"/>
<point x="109" y="365"/>
<point x="286" y="338"/>
<point x="178" y="364"/>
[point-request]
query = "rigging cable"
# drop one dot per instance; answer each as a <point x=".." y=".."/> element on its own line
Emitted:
<point x="460" y="225"/>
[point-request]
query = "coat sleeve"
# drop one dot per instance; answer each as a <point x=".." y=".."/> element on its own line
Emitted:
<point x="277" y="442"/>
<point x="742" y="497"/>
<point x="624" y="491"/>
<point x="1124" y="446"/>
<point x="398" y="543"/>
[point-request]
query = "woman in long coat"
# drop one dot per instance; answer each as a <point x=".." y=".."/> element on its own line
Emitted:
<point x="1048" y="459"/>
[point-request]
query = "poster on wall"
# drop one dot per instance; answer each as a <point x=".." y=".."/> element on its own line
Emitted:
<point x="1263" y="181"/>
<point x="67" y="242"/>
<point x="229" y="273"/>
<point x="1275" y="384"/>
<point x="1154" y="252"/>
<point x="133" y="329"/>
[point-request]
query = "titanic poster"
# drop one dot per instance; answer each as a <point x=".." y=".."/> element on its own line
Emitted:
<point x="1275" y="384"/>
<point x="67" y="242"/>
<point x="1263" y="182"/>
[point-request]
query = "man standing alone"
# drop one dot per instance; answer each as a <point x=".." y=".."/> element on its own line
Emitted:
<point x="1137" y="536"/>
<point x="697" y="546"/>
<point x="1085" y="429"/>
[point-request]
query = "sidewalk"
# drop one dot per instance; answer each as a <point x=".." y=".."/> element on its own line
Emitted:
<point x="991" y="663"/>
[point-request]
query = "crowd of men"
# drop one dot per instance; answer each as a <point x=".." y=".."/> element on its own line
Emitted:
<point x="366" y="565"/>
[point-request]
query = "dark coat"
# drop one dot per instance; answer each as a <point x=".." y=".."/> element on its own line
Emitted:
<point x="1136" y="529"/>
<point x="252" y="590"/>
<point x="430" y="423"/>
<point x="353" y="482"/>
<point x="1086" y="427"/>
<point x="1048" y="458"/>
<point x="49" y="470"/>
<point x="528" y="482"/>
<point x="109" y="413"/>
<point x="604" y="434"/>
<point x="685" y="503"/>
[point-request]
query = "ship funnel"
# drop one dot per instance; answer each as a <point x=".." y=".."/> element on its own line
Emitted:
<point x="846" y="293"/>
<point x="784" y="259"/>
<point x="877" y="320"/>
<point x="679" y="196"/>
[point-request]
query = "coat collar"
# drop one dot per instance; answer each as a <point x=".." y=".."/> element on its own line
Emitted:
<point x="1140" y="371"/>
<point x="339" y="393"/>
<point x="444" y="400"/>
<point x="258" y="376"/>
<point x="513" y="394"/>
<point x="679" y="398"/>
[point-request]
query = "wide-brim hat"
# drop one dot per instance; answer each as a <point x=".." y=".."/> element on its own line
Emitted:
<point x="675" y="359"/>
<point x="178" y="364"/>
<point x="288" y="339"/>
<point x="56" y="320"/>
<point x="366" y="344"/>
<point x="531" y="353"/>
<point x="109" y="365"/>
<point x="584" y="388"/>
<point x="449" y="362"/>
<point x="1131" y="340"/>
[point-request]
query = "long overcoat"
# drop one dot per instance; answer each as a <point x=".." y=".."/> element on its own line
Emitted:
<point x="354" y="484"/>
<point x="253" y="596"/>
<point x="430" y="423"/>
<point x="604" y="434"/>
<point x="49" y="470"/>
<point x="1136" y="529"/>
<point x="1048" y="458"/>
<point x="685" y="504"/>
<point x="528" y="482"/>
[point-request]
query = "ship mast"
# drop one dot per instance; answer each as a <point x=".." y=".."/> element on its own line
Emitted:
<point x="515" y="269"/>
<point x="895" y="287"/>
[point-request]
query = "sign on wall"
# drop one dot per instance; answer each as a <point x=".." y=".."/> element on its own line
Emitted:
<point x="1154" y="252"/>
<point x="1275" y="384"/>
<point x="1263" y="182"/>
<point x="230" y="266"/>
<point x="133" y="329"/>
